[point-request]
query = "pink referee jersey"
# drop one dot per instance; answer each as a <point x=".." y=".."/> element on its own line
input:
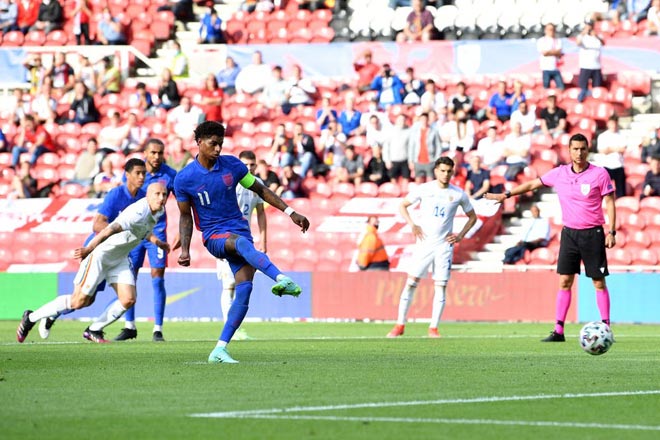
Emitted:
<point x="580" y="194"/>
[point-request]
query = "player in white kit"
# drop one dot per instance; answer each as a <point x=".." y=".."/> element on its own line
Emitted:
<point x="106" y="258"/>
<point x="248" y="201"/>
<point x="434" y="247"/>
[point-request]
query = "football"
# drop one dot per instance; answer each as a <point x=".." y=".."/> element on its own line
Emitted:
<point x="596" y="338"/>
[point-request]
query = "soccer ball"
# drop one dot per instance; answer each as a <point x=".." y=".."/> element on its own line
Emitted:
<point x="596" y="338"/>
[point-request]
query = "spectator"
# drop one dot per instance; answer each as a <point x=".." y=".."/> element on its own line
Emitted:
<point x="275" y="91"/>
<point x="182" y="9"/>
<point x="349" y="118"/>
<point x="27" y="14"/>
<point x="253" y="77"/>
<point x="525" y="118"/>
<point x="389" y="87"/>
<point x="112" y="136"/>
<point x="183" y="119"/>
<point x="651" y="185"/>
<point x="419" y="24"/>
<point x="460" y="100"/>
<point x="371" y="251"/>
<point x="300" y="91"/>
<point x="611" y="146"/>
<point x="423" y="149"/>
<point x="50" y="16"/>
<point x="333" y="142"/>
<point x="413" y="88"/>
<point x="458" y="134"/>
<point x="653" y="19"/>
<point x="376" y="170"/>
<point x="227" y="77"/>
<point x="81" y="17"/>
<point x="178" y="62"/>
<point x="433" y="100"/>
<point x="366" y="70"/>
<point x="536" y="235"/>
<point x="61" y="73"/>
<point x="82" y="110"/>
<point x="326" y="114"/>
<point x="36" y="72"/>
<point x="19" y="106"/>
<point x="136" y="137"/>
<point x="31" y="138"/>
<point x="44" y="106"/>
<point x="305" y="150"/>
<point x="86" y="73"/>
<point x="516" y="151"/>
<point x="313" y="5"/>
<point x="168" y="92"/>
<point x="87" y="164"/>
<point x="282" y="151"/>
<point x="177" y="155"/>
<point x="106" y="179"/>
<point x="490" y="148"/>
<point x="553" y="118"/>
<point x="351" y="168"/>
<point x="650" y="146"/>
<point x="373" y="110"/>
<point x="637" y="10"/>
<point x="376" y="134"/>
<point x="478" y="179"/>
<point x="395" y="150"/>
<point x="141" y="99"/>
<point x="550" y="48"/>
<point x="499" y="105"/>
<point x="211" y="99"/>
<point x="590" y="46"/>
<point x="109" y="78"/>
<point x="267" y="176"/>
<point x="3" y="142"/>
<point x="8" y="16"/>
<point x="291" y="185"/>
<point x="24" y="186"/>
<point x="110" y="30"/>
<point x="257" y="5"/>
<point x="517" y="96"/>
<point x="210" y="31"/>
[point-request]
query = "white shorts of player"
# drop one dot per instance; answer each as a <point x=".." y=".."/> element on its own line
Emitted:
<point x="93" y="270"/>
<point x="435" y="255"/>
<point x="225" y="274"/>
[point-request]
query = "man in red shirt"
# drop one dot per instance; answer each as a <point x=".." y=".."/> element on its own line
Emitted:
<point x="31" y="138"/>
<point x="366" y="70"/>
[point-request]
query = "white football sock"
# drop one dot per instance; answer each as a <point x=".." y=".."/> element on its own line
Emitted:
<point x="60" y="304"/>
<point x="406" y="299"/>
<point x="438" y="305"/>
<point x="226" y="298"/>
<point x="220" y="343"/>
<point x="111" y="313"/>
<point x="158" y="328"/>
<point x="130" y="325"/>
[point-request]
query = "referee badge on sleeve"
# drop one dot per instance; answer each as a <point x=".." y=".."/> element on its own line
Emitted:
<point x="585" y="188"/>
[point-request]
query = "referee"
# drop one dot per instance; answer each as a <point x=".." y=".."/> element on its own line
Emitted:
<point x="581" y="188"/>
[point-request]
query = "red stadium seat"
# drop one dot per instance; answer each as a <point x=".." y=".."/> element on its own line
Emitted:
<point x="323" y="191"/>
<point x="389" y="189"/>
<point x="650" y="203"/>
<point x="13" y="38"/>
<point x="34" y="38"/>
<point x="343" y="191"/>
<point x="57" y="38"/>
<point x="162" y="30"/>
<point x="282" y="256"/>
<point x="74" y="191"/>
<point x="632" y="221"/>
<point x="646" y="257"/>
<point x="366" y="189"/>
<point x="619" y="257"/>
<point x="307" y="254"/>
<point x="543" y="256"/>
<point x="23" y="256"/>
<point x="637" y="239"/>
<point x="629" y="203"/>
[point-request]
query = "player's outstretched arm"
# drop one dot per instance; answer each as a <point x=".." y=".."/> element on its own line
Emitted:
<point x="185" y="232"/>
<point x="102" y="236"/>
<point x="274" y="200"/>
<point x="520" y="189"/>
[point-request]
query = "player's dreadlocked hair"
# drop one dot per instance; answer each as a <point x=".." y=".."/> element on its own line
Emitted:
<point x="209" y="128"/>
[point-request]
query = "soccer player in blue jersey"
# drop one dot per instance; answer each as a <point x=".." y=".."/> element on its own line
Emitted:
<point x="157" y="171"/>
<point x="114" y="203"/>
<point x="206" y="189"/>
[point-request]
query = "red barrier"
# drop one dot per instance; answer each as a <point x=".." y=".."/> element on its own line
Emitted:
<point x="519" y="296"/>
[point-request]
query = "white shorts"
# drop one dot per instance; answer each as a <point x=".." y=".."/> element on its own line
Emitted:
<point x="434" y="255"/>
<point x="92" y="271"/>
<point x="224" y="273"/>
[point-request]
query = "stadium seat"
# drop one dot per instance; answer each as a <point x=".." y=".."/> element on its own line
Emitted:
<point x="629" y="203"/>
<point x="650" y="203"/>
<point x="34" y="38"/>
<point x="389" y="189"/>
<point x="23" y="256"/>
<point x="619" y="257"/>
<point x="282" y="256"/>
<point x="646" y="257"/>
<point x="307" y="254"/>
<point x="542" y="256"/>
<point x="366" y="189"/>
<point x="343" y="191"/>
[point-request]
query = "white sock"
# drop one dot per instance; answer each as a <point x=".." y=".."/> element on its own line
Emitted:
<point x="58" y="305"/>
<point x="406" y="299"/>
<point x="438" y="305"/>
<point x="158" y="328"/>
<point x="222" y="344"/>
<point x="226" y="298"/>
<point x="111" y="313"/>
<point x="279" y="277"/>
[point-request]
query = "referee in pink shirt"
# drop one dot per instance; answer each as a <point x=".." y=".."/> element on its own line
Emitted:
<point x="581" y="188"/>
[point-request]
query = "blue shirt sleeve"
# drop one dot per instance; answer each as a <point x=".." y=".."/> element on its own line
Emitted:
<point x="108" y="207"/>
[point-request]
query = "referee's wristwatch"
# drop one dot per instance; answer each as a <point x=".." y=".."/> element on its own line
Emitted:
<point x="612" y="233"/>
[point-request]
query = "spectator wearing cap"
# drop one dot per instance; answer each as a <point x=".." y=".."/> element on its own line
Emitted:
<point x="366" y="69"/>
<point x="419" y="24"/>
<point x="389" y="87"/>
<point x="651" y="185"/>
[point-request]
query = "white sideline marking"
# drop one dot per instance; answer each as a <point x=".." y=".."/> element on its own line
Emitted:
<point x="278" y="412"/>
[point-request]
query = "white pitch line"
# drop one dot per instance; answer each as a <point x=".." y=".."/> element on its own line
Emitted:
<point x="537" y="423"/>
<point x="487" y="399"/>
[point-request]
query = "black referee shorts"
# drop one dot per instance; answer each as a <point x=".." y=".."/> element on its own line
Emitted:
<point x="586" y="245"/>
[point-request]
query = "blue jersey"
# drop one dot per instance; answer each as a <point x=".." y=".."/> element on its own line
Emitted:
<point x="212" y="196"/>
<point x="115" y="202"/>
<point x="165" y="176"/>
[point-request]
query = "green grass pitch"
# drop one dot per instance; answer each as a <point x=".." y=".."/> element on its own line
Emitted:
<point x="330" y="381"/>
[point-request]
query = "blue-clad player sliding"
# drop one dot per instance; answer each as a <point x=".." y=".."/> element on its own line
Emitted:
<point x="206" y="188"/>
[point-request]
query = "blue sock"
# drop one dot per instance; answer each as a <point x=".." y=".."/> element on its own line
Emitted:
<point x="130" y="314"/>
<point x="237" y="311"/>
<point x="256" y="259"/>
<point x="158" y="284"/>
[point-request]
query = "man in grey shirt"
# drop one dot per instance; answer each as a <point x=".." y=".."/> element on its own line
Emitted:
<point x="395" y="150"/>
